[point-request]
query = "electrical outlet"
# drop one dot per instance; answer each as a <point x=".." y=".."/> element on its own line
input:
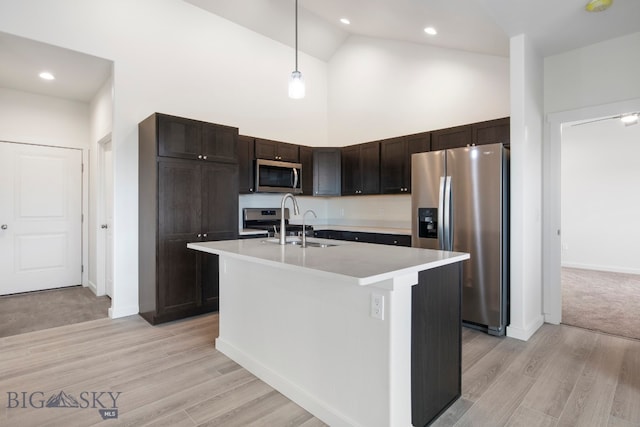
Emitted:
<point x="377" y="306"/>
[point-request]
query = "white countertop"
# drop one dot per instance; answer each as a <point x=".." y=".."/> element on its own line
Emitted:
<point x="357" y="228"/>
<point x="361" y="263"/>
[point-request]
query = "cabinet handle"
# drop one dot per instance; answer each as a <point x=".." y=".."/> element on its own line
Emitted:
<point x="356" y="238"/>
<point x="200" y="156"/>
<point x="395" y="242"/>
<point x="199" y="235"/>
<point x="204" y="235"/>
<point x="204" y="157"/>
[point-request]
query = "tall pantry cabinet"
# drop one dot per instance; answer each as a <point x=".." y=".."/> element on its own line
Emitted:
<point x="188" y="191"/>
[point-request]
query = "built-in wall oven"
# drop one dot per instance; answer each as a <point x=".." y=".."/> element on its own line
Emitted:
<point x="278" y="177"/>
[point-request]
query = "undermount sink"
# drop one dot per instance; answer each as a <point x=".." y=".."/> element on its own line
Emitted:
<point x="296" y="241"/>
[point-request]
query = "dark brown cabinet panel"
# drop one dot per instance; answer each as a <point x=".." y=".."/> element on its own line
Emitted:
<point x="394" y="166"/>
<point x="358" y="236"/>
<point x="181" y="201"/>
<point x="306" y="160"/>
<point x="326" y="172"/>
<point x="455" y="137"/>
<point x="275" y="150"/>
<point x="361" y="169"/>
<point x="246" y="165"/>
<point x="436" y="342"/>
<point x="219" y="143"/>
<point x="491" y="132"/>
<point x="193" y="139"/>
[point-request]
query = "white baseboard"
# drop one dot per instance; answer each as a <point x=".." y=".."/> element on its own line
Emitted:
<point x="609" y="268"/>
<point x="551" y="318"/>
<point x="93" y="287"/>
<point x="527" y="332"/>
<point x="118" y="312"/>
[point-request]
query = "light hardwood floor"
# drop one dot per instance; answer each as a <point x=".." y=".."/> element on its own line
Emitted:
<point x="171" y="375"/>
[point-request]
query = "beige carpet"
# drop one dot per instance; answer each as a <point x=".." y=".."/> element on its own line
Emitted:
<point x="601" y="301"/>
<point x="34" y="311"/>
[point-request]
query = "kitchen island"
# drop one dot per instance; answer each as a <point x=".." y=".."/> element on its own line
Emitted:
<point x="358" y="334"/>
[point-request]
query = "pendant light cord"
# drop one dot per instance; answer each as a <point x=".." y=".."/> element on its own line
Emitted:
<point x="296" y="35"/>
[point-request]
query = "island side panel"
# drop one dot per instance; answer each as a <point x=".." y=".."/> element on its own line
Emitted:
<point x="311" y="338"/>
<point x="436" y="342"/>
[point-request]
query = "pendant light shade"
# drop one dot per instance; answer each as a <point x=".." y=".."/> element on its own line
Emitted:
<point x="296" y="82"/>
<point x="296" y="85"/>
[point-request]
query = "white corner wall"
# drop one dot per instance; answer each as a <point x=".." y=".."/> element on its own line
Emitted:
<point x="526" y="188"/>
<point x="600" y="207"/>
<point x="598" y="74"/>
<point x="172" y="57"/>
<point x="382" y="88"/>
<point x="45" y="120"/>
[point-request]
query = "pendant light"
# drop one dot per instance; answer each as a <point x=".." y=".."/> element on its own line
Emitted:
<point x="296" y="82"/>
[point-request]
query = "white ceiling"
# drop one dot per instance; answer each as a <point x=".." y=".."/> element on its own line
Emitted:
<point x="482" y="26"/>
<point x="78" y="76"/>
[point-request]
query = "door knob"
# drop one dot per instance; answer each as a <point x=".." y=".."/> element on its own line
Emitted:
<point x="104" y="226"/>
<point x="3" y="226"/>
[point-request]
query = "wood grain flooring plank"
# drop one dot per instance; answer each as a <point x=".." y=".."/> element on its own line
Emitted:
<point x="525" y="417"/>
<point x="178" y="419"/>
<point x="476" y="348"/>
<point x="219" y="404"/>
<point x="556" y="381"/>
<point x="538" y="352"/>
<point x="496" y="406"/>
<point x="485" y="371"/>
<point x="250" y="412"/>
<point x="453" y="413"/>
<point x="626" y="400"/>
<point x="591" y="400"/>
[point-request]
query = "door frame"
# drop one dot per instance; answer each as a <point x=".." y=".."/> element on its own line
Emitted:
<point x="551" y="207"/>
<point x="101" y="240"/>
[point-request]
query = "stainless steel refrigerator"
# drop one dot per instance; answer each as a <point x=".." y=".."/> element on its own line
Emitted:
<point x="460" y="203"/>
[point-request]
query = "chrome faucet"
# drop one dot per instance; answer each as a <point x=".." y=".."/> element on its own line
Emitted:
<point x="304" y="231"/>
<point x="296" y="211"/>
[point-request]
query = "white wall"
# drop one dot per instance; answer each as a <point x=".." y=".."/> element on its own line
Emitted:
<point x="381" y="88"/>
<point x="526" y="188"/>
<point x="601" y="73"/>
<point x="600" y="206"/>
<point x="101" y="109"/>
<point x="45" y="120"/>
<point x="175" y="58"/>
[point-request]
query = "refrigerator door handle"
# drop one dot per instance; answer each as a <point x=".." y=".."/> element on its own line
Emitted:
<point x="448" y="229"/>
<point x="441" y="229"/>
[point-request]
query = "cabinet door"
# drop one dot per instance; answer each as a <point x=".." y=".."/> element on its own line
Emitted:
<point x="179" y="212"/>
<point x="370" y="167"/>
<point x="306" y="159"/>
<point x="246" y="165"/>
<point x="459" y="136"/>
<point x="179" y="137"/>
<point x="210" y="280"/>
<point x="219" y="201"/>
<point x="266" y="149"/>
<point x="219" y="143"/>
<point x="351" y="172"/>
<point x="491" y="132"/>
<point x="418" y="143"/>
<point x="394" y="177"/>
<point x="288" y="152"/>
<point x="326" y="172"/>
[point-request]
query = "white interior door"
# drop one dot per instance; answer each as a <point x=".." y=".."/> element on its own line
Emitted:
<point x="40" y="217"/>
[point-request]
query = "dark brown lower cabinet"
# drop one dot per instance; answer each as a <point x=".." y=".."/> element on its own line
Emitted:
<point x="436" y="342"/>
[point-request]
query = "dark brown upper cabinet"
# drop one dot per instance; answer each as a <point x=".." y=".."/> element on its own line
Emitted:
<point x="326" y="171"/>
<point x="275" y="150"/>
<point x="192" y="139"/>
<point x="246" y="166"/>
<point x="306" y="160"/>
<point x="361" y="169"/>
<point x="395" y="161"/>
<point x="491" y="132"/>
<point x="455" y="137"/>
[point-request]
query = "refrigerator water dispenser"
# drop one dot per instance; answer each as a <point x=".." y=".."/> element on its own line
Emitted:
<point x="428" y="223"/>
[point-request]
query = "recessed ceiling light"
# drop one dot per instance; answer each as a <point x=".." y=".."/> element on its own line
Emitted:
<point x="345" y="21"/>
<point x="45" y="75"/>
<point x="629" y="119"/>
<point x="431" y="31"/>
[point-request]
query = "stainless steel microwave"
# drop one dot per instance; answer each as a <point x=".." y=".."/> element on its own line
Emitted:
<point x="278" y="177"/>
